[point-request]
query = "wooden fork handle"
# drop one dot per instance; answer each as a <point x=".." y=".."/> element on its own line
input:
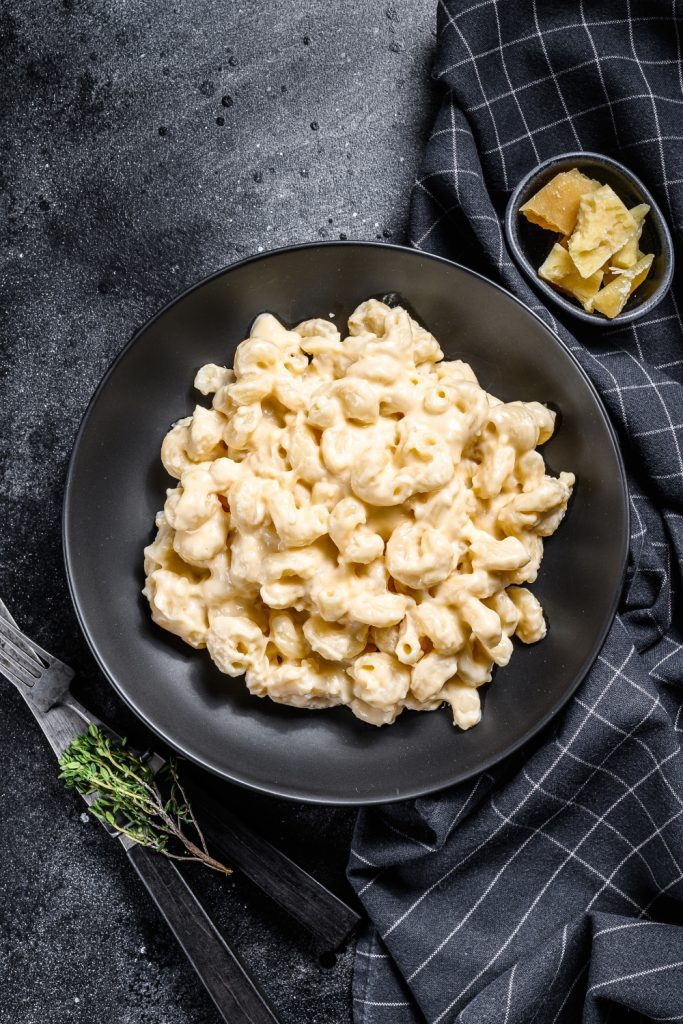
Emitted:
<point x="226" y="980"/>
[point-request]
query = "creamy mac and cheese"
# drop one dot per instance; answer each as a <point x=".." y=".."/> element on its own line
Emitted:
<point x="354" y="520"/>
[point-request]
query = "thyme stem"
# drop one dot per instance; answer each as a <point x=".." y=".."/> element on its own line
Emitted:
<point x="127" y="796"/>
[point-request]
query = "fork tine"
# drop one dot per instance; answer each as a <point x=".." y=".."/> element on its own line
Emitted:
<point x="42" y="678"/>
<point x="14" y="653"/>
<point x="16" y="675"/>
<point x="5" y="612"/>
<point x="22" y="641"/>
<point x="12" y="673"/>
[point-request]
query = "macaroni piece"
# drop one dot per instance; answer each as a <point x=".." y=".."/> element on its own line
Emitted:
<point x="354" y="520"/>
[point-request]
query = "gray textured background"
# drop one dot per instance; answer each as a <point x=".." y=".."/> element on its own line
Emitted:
<point x="144" y="146"/>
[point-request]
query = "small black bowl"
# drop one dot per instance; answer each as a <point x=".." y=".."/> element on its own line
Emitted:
<point x="530" y="244"/>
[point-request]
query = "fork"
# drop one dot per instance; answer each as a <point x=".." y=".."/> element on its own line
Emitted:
<point x="43" y="681"/>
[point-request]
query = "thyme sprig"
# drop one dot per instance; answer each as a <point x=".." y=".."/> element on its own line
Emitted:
<point x="125" y="794"/>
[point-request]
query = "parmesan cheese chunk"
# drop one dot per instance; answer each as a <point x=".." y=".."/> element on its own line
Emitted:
<point x="559" y="270"/>
<point x="629" y="254"/>
<point x="611" y="299"/>
<point x="603" y="227"/>
<point x="555" y="207"/>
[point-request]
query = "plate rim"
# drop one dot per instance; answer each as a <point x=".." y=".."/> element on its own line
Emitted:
<point x="298" y="795"/>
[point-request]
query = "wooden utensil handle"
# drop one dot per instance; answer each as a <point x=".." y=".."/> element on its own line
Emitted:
<point x="225" y="979"/>
<point x="328" y="919"/>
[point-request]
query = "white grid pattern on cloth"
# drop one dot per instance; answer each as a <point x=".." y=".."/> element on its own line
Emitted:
<point x="553" y="76"/>
<point x="570" y="992"/>
<point x="655" y="769"/>
<point x="541" y="892"/>
<point x="518" y="849"/>
<point x="595" y="62"/>
<point x="620" y="927"/>
<point x="523" y="870"/>
<point x="491" y="836"/>
<point x="635" y="974"/>
<point x="600" y="819"/>
<point x="566" y="119"/>
<point x="604" y="23"/>
<point x="563" y="950"/>
<point x="509" y="998"/>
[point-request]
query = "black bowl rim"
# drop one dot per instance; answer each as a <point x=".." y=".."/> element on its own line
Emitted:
<point x="511" y="234"/>
<point x="273" y="790"/>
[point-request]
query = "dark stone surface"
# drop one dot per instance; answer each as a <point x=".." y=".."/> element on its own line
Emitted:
<point x="144" y="146"/>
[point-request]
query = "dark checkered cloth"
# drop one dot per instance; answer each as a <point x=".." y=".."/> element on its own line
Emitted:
<point x="551" y="890"/>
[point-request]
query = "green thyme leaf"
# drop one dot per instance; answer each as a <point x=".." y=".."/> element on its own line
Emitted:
<point x="125" y="794"/>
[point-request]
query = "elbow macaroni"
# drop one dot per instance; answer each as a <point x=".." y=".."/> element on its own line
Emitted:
<point x="354" y="520"/>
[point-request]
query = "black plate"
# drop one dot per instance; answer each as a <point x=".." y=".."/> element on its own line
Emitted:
<point x="116" y="484"/>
